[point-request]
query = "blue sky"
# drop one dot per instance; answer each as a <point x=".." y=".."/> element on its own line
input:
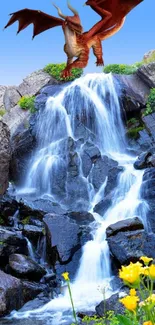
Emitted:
<point x="19" y="55"/>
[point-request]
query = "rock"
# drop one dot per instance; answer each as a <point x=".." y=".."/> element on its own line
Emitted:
<point x="33" y="233"/>
<point x="100" y="171"/>
<point x="148" y="194"/>
<point x="148" y="55"/>
<point x="147" y="74"/>
<point x="90" y="153"/>
<point x="103" y="205"/>
<point x="10" y="293"/>
<point x="24" y="267"/>
<point x="133" y="92"/>
<point x="23" y="144"/>
<point x="129" y="246"/>
<point x="5" y="157"/>
<point x="109" y="304"/>
<point x="60" y="244"/>
<point x="10" y="243"/>
<point x="2" y="91"/>
<point x="142" y="161"/>
<point x="149" y="122"/>
<point x="15" y="117"/>
<point x="82" y="218"/>
<point x="31" y="289"/>
<point x="32" y="84"/>
<point x="124" y="225"/>
<point x="11" y="97"/>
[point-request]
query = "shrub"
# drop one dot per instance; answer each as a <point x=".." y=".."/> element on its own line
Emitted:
<point x="27" y="102"/>
<point x="55" y="71"/>
<point x="150" y="105"/>
<point x="134" y="132"/>
<point x="121" y="68"/>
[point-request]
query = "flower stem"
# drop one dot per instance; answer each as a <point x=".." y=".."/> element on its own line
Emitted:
<point x="71" y="298"/>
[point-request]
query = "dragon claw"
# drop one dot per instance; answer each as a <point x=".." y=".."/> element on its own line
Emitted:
<point x="99" y="62"/>
<point x="66" y="73"/>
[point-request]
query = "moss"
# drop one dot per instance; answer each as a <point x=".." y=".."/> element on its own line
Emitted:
<point x="2" y="112"/>
<point x="55" y="71"/>
<point x="120" y="69"/>
<point x="26" y="220"/>
<point x="134" y="132"/>
<point x="1" y="221"/>
<point x="27" y="102"/>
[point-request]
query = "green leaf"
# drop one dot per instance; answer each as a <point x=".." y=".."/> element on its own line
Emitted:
<point x="124" y="320"/>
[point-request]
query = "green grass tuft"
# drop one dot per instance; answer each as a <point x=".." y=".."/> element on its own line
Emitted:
<point x="55" y="71"/>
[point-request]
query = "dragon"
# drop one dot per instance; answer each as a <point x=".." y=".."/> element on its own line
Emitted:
<point x="78" y="43"/>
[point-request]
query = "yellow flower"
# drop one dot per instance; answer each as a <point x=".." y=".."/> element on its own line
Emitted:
<point x="131" y="273"/>
<point x="146" y="259"/>
<point x="145" y="270"/>
<point x="148" y="323"/>
<point x="65" y="276"/>
<point x="130" y="302"/>
<point x="152" y="271"/>
<point x="132" y="292"/>
<point x="151" y="298"/>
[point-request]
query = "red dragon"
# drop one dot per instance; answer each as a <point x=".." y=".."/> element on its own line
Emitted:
<point x="77" y="42"/>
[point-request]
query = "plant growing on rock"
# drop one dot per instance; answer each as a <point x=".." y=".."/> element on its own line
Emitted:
<point x="120" y="68"/>
<point x="27" y="102"/>
<point x="150" y="105"/>
<point x="55" y="71"/>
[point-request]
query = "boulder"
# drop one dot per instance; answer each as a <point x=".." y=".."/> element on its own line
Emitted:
<point x="129" y="246"/>
<point x="11" y="97"/>
<point x="123" y="226"/>
<point x="149" y="122"/>
<point x="33" y="233"/>
<point x="61" y="245"/>
<point x="142" y="161"/>
<point x="148" y="55"/>
<point x="102" y="206"/>
<point x="2" y="91"/>
<point x="15" y="117"/>
<point x="147" y="74"/>
<point x="32" y="84"/>
<point x="133" y="92"/>
<point x="24" y="267"/>
<point x="109" y="304"/>
<point x="11" y="242"/>
<point x="5" y="157"/>
<point x="148" y="194"/>
<point x="10" y="293"/>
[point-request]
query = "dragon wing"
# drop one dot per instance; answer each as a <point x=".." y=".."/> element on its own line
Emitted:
<point x="118" y="9"/>
<point x="39" y="19"/>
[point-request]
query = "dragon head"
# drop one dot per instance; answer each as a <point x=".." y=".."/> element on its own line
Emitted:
<point x="73" y="22"/>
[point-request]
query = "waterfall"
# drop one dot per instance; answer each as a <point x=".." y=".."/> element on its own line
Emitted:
<point x="92" y="102"/>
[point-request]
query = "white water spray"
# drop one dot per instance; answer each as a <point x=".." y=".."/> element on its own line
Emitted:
<point x="92" y="102"/>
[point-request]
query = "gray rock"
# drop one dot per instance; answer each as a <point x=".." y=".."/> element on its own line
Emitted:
<point x="109" y="304"/>
<point x="10" y="243"/>
<point x="11" y="97"/>
<point x="5" y="157"/>
<point x="10" y="293"/>
<point x="32" y="84"/>
<point x="133" y="92"/>
<point x="24" y="267"/>
<point x="15" y="117"/>
<point x="61" y="245"/>
<point x="148" y="55"/>
<point x="129" y="246"/>
<point x="149" y="122"/>
<point x="2" y="91"/>
<point x="33" y="233"/>
<point x="147" y="74"/>
<point x="103" y="205"/>
<point x="125" y="225"/>
<point x="142" y="161"/>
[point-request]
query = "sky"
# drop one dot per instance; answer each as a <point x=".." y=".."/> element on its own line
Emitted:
<point x="19" y="55"/>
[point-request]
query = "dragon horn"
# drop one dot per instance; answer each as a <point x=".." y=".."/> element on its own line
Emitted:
<point x="75" y="12"/>
<point x="59" y="12"/>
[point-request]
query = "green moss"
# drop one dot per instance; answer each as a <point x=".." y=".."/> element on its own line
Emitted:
<point x="150" y="59"/>
<point x="150" y="105"/>
<point x="27" y="102"/>
<point x="55" y="71"/>
<point x="120" y="68"/>
<point x="26" y="220"/>
<point x="1" y="243"/>
<point x="134" y="132"/>
<point x="1" y="221"/>
<point x="132" y="121"/>
<point x="2" y="112"/>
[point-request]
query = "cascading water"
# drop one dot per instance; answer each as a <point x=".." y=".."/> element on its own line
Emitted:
<point x="90" y="104"/>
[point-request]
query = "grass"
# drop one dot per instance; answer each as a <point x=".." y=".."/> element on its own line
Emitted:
<point x="55" y="71"/>
<point x="27" y="103"/>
